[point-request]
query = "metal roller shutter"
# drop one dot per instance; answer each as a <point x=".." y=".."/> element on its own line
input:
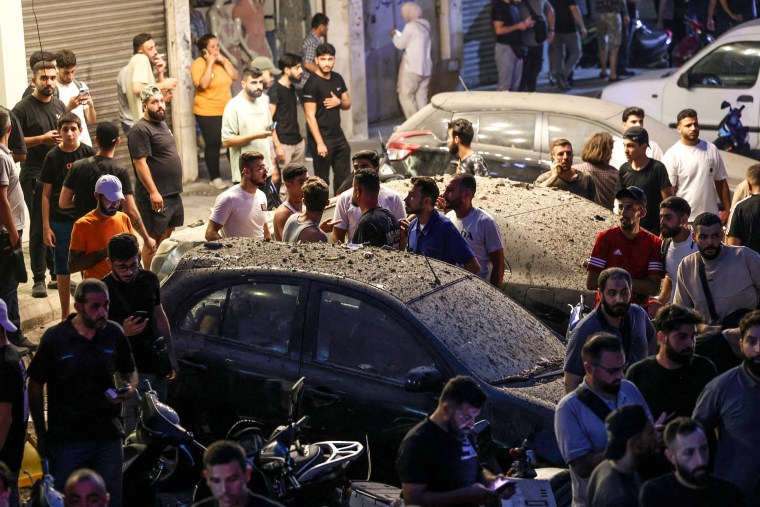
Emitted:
<point x="100" y="33"/>
<point x="478" y="66"/>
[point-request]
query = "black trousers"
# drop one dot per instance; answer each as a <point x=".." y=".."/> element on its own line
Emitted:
<point x="532" y="63"/>
<point x="40" y="256"/>
<point x="211" y="130"/>
<point x="338" y="157"/>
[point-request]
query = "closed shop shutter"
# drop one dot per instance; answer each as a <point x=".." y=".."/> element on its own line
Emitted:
<point x="100" y="33"/>
<point x="478" y="66"/>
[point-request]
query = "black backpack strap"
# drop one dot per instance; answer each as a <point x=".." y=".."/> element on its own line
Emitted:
<point x="593" y="402"/>
<point x="706" y="289"/>
<point x="664" y="250"/>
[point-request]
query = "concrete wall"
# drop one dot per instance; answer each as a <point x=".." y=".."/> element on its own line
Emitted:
<point x="13" y="79"/>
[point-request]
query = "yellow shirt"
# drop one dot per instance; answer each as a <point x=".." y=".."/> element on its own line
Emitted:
<point x="210" y="101"/>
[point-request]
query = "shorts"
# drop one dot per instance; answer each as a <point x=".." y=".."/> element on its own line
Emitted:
<point x="156" y="222"/>
<point x="609" y="30"/>
<point x="62" y="231"/>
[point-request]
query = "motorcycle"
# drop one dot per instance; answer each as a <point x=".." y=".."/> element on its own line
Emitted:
<point x="696" y="39"/>
<point x="732" y="135"/>
<point x="649" y="48"/>
<point x="44" y="493"/>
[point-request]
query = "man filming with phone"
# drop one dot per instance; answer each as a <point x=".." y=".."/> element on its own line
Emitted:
<point x="74" y="93"/>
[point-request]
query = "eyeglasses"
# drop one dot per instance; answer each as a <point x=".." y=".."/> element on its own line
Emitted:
<point x="127" y="267"/>
<point x="611" y="371"/>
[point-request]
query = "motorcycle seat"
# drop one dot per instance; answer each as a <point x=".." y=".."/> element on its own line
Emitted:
<point x="312" y="453"/>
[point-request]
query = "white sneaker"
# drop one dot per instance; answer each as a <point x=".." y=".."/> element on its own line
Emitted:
<point x="218" y="184"/>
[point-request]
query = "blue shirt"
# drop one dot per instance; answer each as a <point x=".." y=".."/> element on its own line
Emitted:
<point x="439" y="239"/>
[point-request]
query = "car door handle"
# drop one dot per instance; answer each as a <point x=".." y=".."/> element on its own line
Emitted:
<point x="193" y="365"/>
<point x="745" y="98"/>
<point x="319" y="393"/>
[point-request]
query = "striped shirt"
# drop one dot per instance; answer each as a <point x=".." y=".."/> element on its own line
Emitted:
<point x="606" y="181"/>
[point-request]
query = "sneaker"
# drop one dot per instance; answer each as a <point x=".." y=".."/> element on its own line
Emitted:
<point x="39" y="290"/>
<point x="24" y="342"/>
<point x="218" y="184"/>
<point x="52" y="284"/>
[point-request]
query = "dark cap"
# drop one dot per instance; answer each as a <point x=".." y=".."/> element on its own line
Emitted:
<point x="634" y="193"/>
<point x="622" y="424"/>
<point x="638" y="134"/>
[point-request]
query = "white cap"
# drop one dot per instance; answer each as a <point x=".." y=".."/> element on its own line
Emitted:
<point x="7" y="324"/>
<point x="109" y="187"/>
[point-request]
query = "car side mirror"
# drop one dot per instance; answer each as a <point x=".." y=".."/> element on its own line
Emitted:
<point x="684" y="81"/>
<point x="423" y="379"/>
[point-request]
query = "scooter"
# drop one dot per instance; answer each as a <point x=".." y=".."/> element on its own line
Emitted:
<point x="696" y="39"/>
<point x="44" y="493"/>
<point x="732" y="135"/>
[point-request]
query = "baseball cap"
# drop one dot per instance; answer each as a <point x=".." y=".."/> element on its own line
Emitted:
<point x="109" y="187"/>
<point x="149" y="91"/>
<point x="622" y="424"/>
<point x="634" y="193"/>
<point x="264" y="63"/>
<point x="7" y="324"/>
<point x="637" y="134"/>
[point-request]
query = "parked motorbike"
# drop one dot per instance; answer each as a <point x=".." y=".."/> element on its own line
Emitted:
<point x="732" y="135"/>
<point x="649" y="48"/>
<point x="44" y="493"/>
<point x="696" y="38"/>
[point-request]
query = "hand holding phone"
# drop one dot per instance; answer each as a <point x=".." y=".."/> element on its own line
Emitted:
<point x="83" y="91"/>
<point x="142" y="315"/>
<point x="501" y="484"/>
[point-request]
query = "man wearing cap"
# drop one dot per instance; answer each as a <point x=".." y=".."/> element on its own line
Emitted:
<point x="13" y="412"/>
<point x="89" y="238"/>
<point x="630" y="247"/>
<point x="631" y="439"/>
<point x="268" y="70"/>
<point x="139" y="73"/>
<point x="158" y="170"/>
<point x="648" y="174"/>
<point x="563" y="176"/>
<point x="633" y="116"/>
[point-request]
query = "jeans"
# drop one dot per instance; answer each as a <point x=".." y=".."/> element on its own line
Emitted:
<point x="532" y="63"/>
<point x="338" y="156"/>
<point x="509" y="68"/>
<point x="564" y="53"/>
<point x="9" y="290"/>
<point x="41" y="257"/>
<point x="211" y="130"/>
<point x="103" y="456"/>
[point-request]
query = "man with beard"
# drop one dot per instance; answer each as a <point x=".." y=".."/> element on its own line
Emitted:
<point x="580" y="415"/>
<point x="563" y="176"/>
<point x="630" y="247"/>
<point x="720" y="281"/>
<point x="378" y="226"/>
<point x="437" y="461"/>
<point x="88" y="250"/>
<point x="730" y="407"/>
<point x="240" y="211"/>
<point x="459" y="138"/>
<point x="77" y="362"/>
<point x="158" y="171"/>
<point x="690" y="485"/>
<point x="615" y="482"/>
<point x="283" y="106"/>
<point x="616" y="316"/>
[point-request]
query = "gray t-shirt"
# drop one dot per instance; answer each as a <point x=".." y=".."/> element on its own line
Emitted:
<point x="293" y="228"/>
<point x="9" y="178"/>
<point x="482" y="234"/>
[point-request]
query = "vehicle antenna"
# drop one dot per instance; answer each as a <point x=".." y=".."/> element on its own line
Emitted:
<point x="437" y="280"/>
<point x="463" y="85"/>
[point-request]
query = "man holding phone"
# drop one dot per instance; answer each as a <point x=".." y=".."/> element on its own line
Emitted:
<point x="562" y="175"/>
<point x="74" y="93"/>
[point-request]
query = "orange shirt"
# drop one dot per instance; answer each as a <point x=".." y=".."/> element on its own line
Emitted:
<point x="211" y="101"/>
<point x="92" y="233"/>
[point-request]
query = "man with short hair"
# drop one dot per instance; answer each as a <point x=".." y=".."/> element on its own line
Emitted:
<point x="268" y="71"/>
<point x="728" y="407"/>
<point x="609" y="34"/>
<point x="565" y="49"/>
<point x="696" y="170"/>
<point x="579" y="417"/>
<point x="508" y="51"/>
<point x="34" y="58"/>
<point x="691" y="484"/>
<point x="563" y="176"/>
<point x="240" y="211"/>
<point x="460" y="135"/>
<point x="437" y="461"/>
<point x="77" y="362"/>
<point x="378" y="226"/>
<point x="719" y="281"/>
<point x="615" y="481"/>
<point x="227" y="474"/>
<point x="347" y="216"/>
<point x="319" y="26"/>
<point x="289" y="146"/>
<point x="305" y="226"/>
<point x="614" y="315"/>
<point x="633" y="116"/>
<point x="677" y="243"/>
<point x="294" y="175"/>
<point x="139" y="73"/>
<point x="431" y="234"/>
<point x="74" y="93"/>
<point x="648" y="174"/>
<point x="85" y="488"/>
<point x="158" y="171"/>
<point x="744" y="223"/>
<point x="533" y="60"/>
<point x="476" y="227"/>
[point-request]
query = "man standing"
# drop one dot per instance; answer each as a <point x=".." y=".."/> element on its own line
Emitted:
<point x="74" y="93"/>
<point x="460" y="135"/>
<point x="609" y="35"/>
<point x="319" y="25"/>
<point x="289" y="146"/>
<point x="378" y="226"/>
<point x="431" y="234"/>
<point x="562" y="175"/>
<point x="676" y="245"/>
<point x="77" y="361"/>
<point x="158" y="171"/>
<point x="720" y="281"/>
<point x="476" y="227"/>
<point x="633" y="117"/>
<point x="696" y="169"/>
<point x="745" y="217"/>
<point x="729" y="406"/>
<point x="37" y="115"/>
<point x="437" y="462"/>
<point x="616" y="316"/>
<point x="241" y="209"/>
<point x="565" y="48"/>
<point x="509" y="52"/>
<point x="34" y="58"/>
<point x="416" y="64"/>
<point x="305" y="226"/>
<point x="648" y="174"/>
<point x="139" y="73"/>
<point x="534" y="55"/>
<point x="294" y="176"/>
<point x="268" y="71"/>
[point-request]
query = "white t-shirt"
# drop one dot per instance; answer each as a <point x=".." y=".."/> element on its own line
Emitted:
<point x="675" y="254"/>
<point x="350" y="214"/>
<point x="65" y="92"/>
<point x="241" y="214"/>
<point x="482" y="234"/>
<point x="618" y="153"/>
<point x="693" y="170"/>
<point x="242" y="117"/>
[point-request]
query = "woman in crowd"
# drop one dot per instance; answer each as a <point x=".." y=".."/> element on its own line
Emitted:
<point x="596" y="163"/>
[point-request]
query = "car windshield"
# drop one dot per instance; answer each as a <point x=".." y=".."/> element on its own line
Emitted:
<point x="491" y="334"/>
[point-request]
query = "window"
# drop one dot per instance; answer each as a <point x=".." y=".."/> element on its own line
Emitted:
<point x="732" y="65"/>
<point x="206" y="316"/>
<point x="510" y="130"/>
<point x="575" y="130"/>
<point x="359" y="335"/>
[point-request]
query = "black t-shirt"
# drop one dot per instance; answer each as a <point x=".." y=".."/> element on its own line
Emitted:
<point x="16" y="141"/>
<point x="82" y="177"/>
<point x="378" y="227"/>
<point x="671" y="390"/>
<point x="54" y="171"/>
<point x="509" y="15"/>
<point x="317" y="89"/>
<point x="154" y="140"/>
<point x="286" y="114"/>
<point x="12" y="390"/>
<point x="126" y="299"/>
<point x="78" y="372"/>
<point x="564" y="21"/>
<point x="714" y="346"/>
<point x="652" y="179"/>
<point x="744" y="219"/>
<point x="608" y="487"/>
<point x="253" y="501"/>
<point x="431" y="456"/>
<point x="666" y="491"/>
<point x="36" y="118"/>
